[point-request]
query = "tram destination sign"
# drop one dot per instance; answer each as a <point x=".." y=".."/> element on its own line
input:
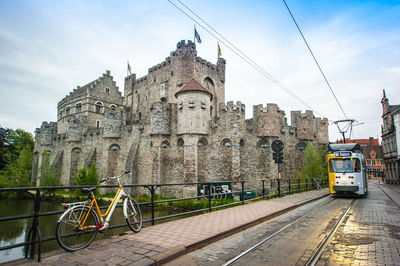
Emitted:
<point x="343" y="154"/>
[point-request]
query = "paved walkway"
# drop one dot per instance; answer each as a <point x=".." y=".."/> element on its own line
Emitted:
<point x="159" y="243"/>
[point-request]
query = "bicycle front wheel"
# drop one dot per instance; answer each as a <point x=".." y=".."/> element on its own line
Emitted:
<point x="133" y="215"/>
<point x="76" y="228"/>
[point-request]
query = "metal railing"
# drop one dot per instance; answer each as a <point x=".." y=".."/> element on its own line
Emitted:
<point x="260" y="189"/>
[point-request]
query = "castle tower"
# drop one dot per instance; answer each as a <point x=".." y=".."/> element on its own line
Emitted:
<point x="193" y="109"/>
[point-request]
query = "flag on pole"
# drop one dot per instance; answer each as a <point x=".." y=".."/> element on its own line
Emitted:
<point x="196" y="35"/>
<point x="219" y="51"/>
<point x="129" y="69"/>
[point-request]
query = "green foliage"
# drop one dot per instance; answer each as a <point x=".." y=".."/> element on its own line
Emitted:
<point x="16" y="156"/>
<point x="87" y="177"/>
<point x="48" y="175"/>
<point x="315" y="163"/>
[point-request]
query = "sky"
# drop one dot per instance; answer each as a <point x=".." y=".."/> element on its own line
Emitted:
<point x="48" y="48"/>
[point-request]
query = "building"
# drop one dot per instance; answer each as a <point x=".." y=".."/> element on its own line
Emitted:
<point x="390" y="140"/>
<point x="172" y="126"/>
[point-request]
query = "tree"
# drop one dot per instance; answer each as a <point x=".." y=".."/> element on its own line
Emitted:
<point x="16" y="156"/>
<point x="315" y="164"/>
<point x="4" y="133"/>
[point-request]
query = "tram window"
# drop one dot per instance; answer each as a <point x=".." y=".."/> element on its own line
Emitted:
<point x="346" y="165"/>
<point x="357" y="167"/>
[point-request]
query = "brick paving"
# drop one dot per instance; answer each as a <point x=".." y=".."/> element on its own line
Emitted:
<point x="159" y="243"/>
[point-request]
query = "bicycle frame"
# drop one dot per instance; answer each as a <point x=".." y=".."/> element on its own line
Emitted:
<point x="104" y="222"/>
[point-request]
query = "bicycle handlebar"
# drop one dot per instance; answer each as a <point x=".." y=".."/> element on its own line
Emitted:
<point x="114" y="177"/>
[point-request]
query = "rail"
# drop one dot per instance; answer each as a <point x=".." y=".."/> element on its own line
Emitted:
<point x="240" y="193"/>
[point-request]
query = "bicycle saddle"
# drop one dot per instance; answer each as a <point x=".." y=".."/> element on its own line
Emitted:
<point x="88" y="189"/>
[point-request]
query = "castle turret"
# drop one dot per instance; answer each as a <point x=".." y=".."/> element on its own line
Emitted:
<point x="45" y="135"/>
<point x="112" y="123"/>
<point x="268" y="121"/>
<point x="193" y="109"/>
<point x="160" y="119"/>
<point x="75" y="128"/>
<point x="304" y="124"/>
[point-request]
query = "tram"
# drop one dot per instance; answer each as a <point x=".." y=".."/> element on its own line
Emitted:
<point x="347" y="169"/>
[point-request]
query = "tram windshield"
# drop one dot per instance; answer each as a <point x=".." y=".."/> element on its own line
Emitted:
<point x="344" y="165"/>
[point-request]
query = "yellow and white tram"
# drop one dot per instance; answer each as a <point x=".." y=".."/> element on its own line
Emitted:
<point x="346" y="169"/>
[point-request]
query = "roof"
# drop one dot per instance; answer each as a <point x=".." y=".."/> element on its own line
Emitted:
<point x="362" y="142"/>
<point x="378" y="151"/>
<point x="344" y="147"/>
<point x="393" y="108"/>
<point x="194" y="86"/>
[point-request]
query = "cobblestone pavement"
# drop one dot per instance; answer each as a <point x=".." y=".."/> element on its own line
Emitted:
<point x="156" y="244"/>
<point x="370" y="235"/>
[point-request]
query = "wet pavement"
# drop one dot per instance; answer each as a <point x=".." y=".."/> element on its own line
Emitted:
<point x="369" y="235"/>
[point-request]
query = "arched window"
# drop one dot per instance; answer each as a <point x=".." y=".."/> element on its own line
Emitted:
<point x="241" y="143"/>
<point x="98" y="107"/>
<point x="202" y="142"/>
<point x="114" y="147"/>
<point x="165" y="144"/>
<point x="77" y="150"/>
<point x="180" y="142"/>
<point x="262" y="143"/>
<point x="67" y="110"/>
<point x="113" y="107"/>
<point x="78" y="107"/>
<point x="226" y="142"/>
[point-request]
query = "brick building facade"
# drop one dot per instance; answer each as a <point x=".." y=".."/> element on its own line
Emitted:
<point x="391" y="140"/>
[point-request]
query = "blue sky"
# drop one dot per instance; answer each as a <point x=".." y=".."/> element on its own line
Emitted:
<point x="47" y="48"/>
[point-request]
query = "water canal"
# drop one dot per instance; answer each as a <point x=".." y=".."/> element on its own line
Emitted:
<point x="13" y="232"/>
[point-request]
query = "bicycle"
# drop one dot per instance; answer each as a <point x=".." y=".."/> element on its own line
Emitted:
<point x="78" y="225"/>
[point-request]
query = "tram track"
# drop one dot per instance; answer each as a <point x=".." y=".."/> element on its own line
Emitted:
<point x="320" y="248"/>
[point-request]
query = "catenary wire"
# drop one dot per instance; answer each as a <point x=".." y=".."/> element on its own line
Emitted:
<point x="312" y="54"/>
<point x="242" y="55"/>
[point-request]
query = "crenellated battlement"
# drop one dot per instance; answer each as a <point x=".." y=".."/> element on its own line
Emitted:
<point x="161" y="65"/>
<point x="230" y="107"/>
<point x="270" y="109"/>
<point x="183" y="48"/>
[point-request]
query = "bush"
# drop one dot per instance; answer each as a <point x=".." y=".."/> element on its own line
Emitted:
<point x="87" y="177"/>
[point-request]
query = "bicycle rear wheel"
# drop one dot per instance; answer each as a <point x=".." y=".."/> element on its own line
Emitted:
<point x="133" y="214"/>
<point x="70" y="233"/>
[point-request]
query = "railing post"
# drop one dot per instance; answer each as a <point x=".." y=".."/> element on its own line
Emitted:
<point x="209" y="197"/>
<point x="306" y="184"/>
<point x="279" y="188"/>
<point x="34" y="232"/>
<point x="298" y="185"/>
<point x="152" y="195"/>
<point x="290" y="191"/>
<point x="242" y="192"/>
<point x="263" y="189"/>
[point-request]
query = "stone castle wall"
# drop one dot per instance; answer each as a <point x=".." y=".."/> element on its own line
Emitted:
<point x="156" y="134"/>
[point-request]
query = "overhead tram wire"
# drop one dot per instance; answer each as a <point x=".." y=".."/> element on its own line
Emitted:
<point x="312" y="54"/>
<point x="242" y="55"/>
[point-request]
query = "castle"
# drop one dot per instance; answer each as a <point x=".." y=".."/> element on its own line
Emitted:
<point x="172" y="126"/>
